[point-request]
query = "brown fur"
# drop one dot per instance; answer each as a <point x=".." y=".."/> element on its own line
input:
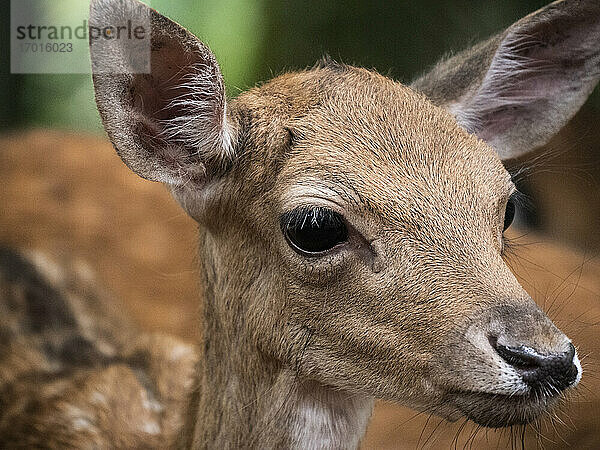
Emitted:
<point x="74" y="373"/>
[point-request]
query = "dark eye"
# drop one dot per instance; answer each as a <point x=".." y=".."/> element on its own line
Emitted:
<point x="509" y="215"/>
<point x="312" y="231"/>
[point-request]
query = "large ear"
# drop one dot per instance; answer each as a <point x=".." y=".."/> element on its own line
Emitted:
<point x="518" y="89"/>
<point x="169" y="124"/>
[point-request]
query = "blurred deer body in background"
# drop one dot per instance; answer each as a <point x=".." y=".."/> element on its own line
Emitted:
<point x="75" y="374"/>
<point x="351" y="230"/>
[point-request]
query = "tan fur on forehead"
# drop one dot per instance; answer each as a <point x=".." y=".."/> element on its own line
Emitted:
<point x="358" y="123"/>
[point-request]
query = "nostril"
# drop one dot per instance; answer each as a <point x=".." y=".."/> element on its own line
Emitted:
<point x="521" y="357"/>
<point x="540" y="370"/>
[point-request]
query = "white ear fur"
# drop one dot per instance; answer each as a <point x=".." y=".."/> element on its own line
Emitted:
<point x="197" y="100"/>
<point x="169" y="125"/>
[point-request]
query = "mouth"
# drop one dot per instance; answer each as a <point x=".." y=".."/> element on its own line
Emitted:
<point x="499" y="410"/>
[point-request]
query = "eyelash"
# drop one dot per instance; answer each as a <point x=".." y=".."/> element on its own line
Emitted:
<point x="313" y="231"/>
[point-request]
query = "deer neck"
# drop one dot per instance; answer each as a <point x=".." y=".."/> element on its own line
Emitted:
<point x="246" y="399"/>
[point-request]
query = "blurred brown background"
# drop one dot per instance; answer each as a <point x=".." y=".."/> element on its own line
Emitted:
<point x="69" y="194"/>
<point x="67" y="191"/>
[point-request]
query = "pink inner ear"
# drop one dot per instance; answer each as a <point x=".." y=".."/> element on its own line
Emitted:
<point x="529" y="68"/>
<point x="167" y="125"/>
<point x="540" y="75"/>
<point x="181" y="100"/>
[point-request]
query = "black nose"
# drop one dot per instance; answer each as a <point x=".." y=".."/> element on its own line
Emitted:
<point x="541" y="371"/>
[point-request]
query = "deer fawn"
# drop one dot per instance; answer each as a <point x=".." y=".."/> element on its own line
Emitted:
<point x="351" y="228"/>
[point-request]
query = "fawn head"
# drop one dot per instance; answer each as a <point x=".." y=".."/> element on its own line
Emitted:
<point x="352" y="227"/>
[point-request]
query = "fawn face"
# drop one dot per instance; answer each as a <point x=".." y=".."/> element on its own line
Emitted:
<point x="352" y="229"/>
<point x="377" y="224"/>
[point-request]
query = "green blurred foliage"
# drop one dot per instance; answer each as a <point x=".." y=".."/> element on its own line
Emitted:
<point x="256" y="39"/>
<point x="233" y="29"/>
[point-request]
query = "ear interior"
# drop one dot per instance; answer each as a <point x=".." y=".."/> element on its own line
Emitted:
<point x="518" y="89"/>
<point x="546" y="67"/>
<point x="171" y="124"/>
<point x="180" y="107"/>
